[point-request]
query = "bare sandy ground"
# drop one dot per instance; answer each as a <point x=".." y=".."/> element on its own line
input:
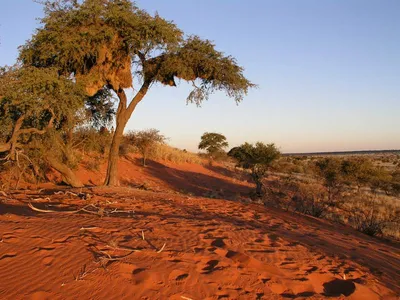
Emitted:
<point x="164" y="245"/>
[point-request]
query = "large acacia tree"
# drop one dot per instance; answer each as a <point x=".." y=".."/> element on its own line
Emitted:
<point x="113" y="43"/>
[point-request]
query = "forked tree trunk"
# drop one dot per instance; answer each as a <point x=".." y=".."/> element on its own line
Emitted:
<point x="112" y="168"/>
<point x="124" y="112"/>
<point x="68" y="176"/>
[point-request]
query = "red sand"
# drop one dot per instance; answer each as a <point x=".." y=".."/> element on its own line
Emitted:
<point x="214" y="248"/>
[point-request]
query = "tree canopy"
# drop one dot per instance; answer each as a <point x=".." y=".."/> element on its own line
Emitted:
<point x="258" y="158"/>
<point x="33" y="100"/>
<point x="144" y="140"/>
<point x="99" y="40"/>
<point x="213" y="143"/>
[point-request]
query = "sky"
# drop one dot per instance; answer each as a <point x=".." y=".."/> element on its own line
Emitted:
<point x="328" y="72"/>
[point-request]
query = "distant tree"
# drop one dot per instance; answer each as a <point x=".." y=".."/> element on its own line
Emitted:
<point x="36" y="106"/>
<point x="396" y="181"/>
<point x="357" y="171"/>
<point x="310" y="199"/>
<point x="145" y="140"/>
<point x="329" y="169"/>
<point x="258" y="158"/>
<point x="213" y="143"/>
<point x="109" y="43"/>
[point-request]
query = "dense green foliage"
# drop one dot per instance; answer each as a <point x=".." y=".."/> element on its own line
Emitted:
<point x="213" y="143"/>
<point x="258" y="158"/>
<point x="38" y="107"/>
<point x="77" y="38"/>
<point x="33" y="100"/>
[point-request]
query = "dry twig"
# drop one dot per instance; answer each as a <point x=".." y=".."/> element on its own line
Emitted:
<point x="162" y="248"/>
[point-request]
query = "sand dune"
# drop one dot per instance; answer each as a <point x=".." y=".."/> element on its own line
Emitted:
<point x="165" y="245"/>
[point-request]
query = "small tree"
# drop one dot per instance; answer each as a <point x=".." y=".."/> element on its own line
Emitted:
<point x="213" y="143"/>
<point x="395" y="184"/>
<point x="258" y="159"/>
<point x="329" y="169"/>
<point x="36" y="106"/>
<point x="356" y="171"/>
<point x="145" y="140"/>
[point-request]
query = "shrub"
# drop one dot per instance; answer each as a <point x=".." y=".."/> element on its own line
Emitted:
<point x="372" y="215"/>
<point x="168" y="153"/>
<point x="311" y="199"/>
<point x="258" y="158"/>
<point x="89" y="139"/>
<point x="145" y="141"/>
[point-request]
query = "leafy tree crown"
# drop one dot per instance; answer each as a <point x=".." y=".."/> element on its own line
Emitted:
<point x="213" y="142"/>
<point x="100" y="42"/>
<point x="259" y="154"/>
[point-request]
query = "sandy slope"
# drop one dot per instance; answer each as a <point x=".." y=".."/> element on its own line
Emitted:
<point x="214" y="248"/>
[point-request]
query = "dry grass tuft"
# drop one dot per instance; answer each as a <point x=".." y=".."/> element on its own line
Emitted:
<point x="168" y="153"/>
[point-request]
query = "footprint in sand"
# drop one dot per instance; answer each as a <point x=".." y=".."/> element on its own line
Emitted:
<point x="218" y="242"/>
<point x="198" y="249"/>
<point x="210" y="266"/>
<point x="9" y="238"/>
<point x="64" y="240"/>
<point x="41" y="295"/>
<point x="47" y="261"/>
<point x="338" y="287"/>
<point x="312" y="269"/>
<point x="178" y="276"/>
<point x="8" y="255"/>
<point x="44" y="249"/>
<point x="130" y="271"/>
<point x="19" y="230"/>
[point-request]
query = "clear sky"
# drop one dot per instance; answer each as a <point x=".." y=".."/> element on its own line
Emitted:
<point x="328" y="71"/>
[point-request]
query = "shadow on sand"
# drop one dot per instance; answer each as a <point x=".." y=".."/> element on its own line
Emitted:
<point x="195" y="183"/>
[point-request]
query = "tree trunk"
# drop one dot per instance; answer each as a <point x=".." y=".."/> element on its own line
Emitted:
<point x="259" y="188"/>
<point x="112" y="169"/>
<point x="258" y="173"/>
<point x="124" y="112"/>
<point x="68" y="176"/>
<point x="144" y="160"/>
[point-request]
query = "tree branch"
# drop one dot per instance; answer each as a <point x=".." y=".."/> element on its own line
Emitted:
<point x="138" y="97"/>
<point x="5" y="147"/>
<point x="40" y="131"/>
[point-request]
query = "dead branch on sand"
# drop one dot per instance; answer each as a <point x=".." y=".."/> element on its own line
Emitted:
<point x="162" y="248"/>
<point x="62" y="211"/>
<point x="100" y="211"/>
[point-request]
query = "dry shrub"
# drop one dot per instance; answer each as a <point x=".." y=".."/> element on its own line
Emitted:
<point x="168" y="153"/>
<point x="94" y="163"/>
<point x="311" y="199"/>
<point x="374" y="215"/>
<point x="92" y="140"/>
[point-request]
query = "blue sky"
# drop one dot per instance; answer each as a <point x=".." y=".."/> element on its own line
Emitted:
<point x="328" y="71"/>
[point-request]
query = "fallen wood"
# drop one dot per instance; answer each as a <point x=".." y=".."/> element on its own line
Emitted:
<point x="99" y="211"/>
<point x="162" y="248"/>
<point x="60" y="211"/>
